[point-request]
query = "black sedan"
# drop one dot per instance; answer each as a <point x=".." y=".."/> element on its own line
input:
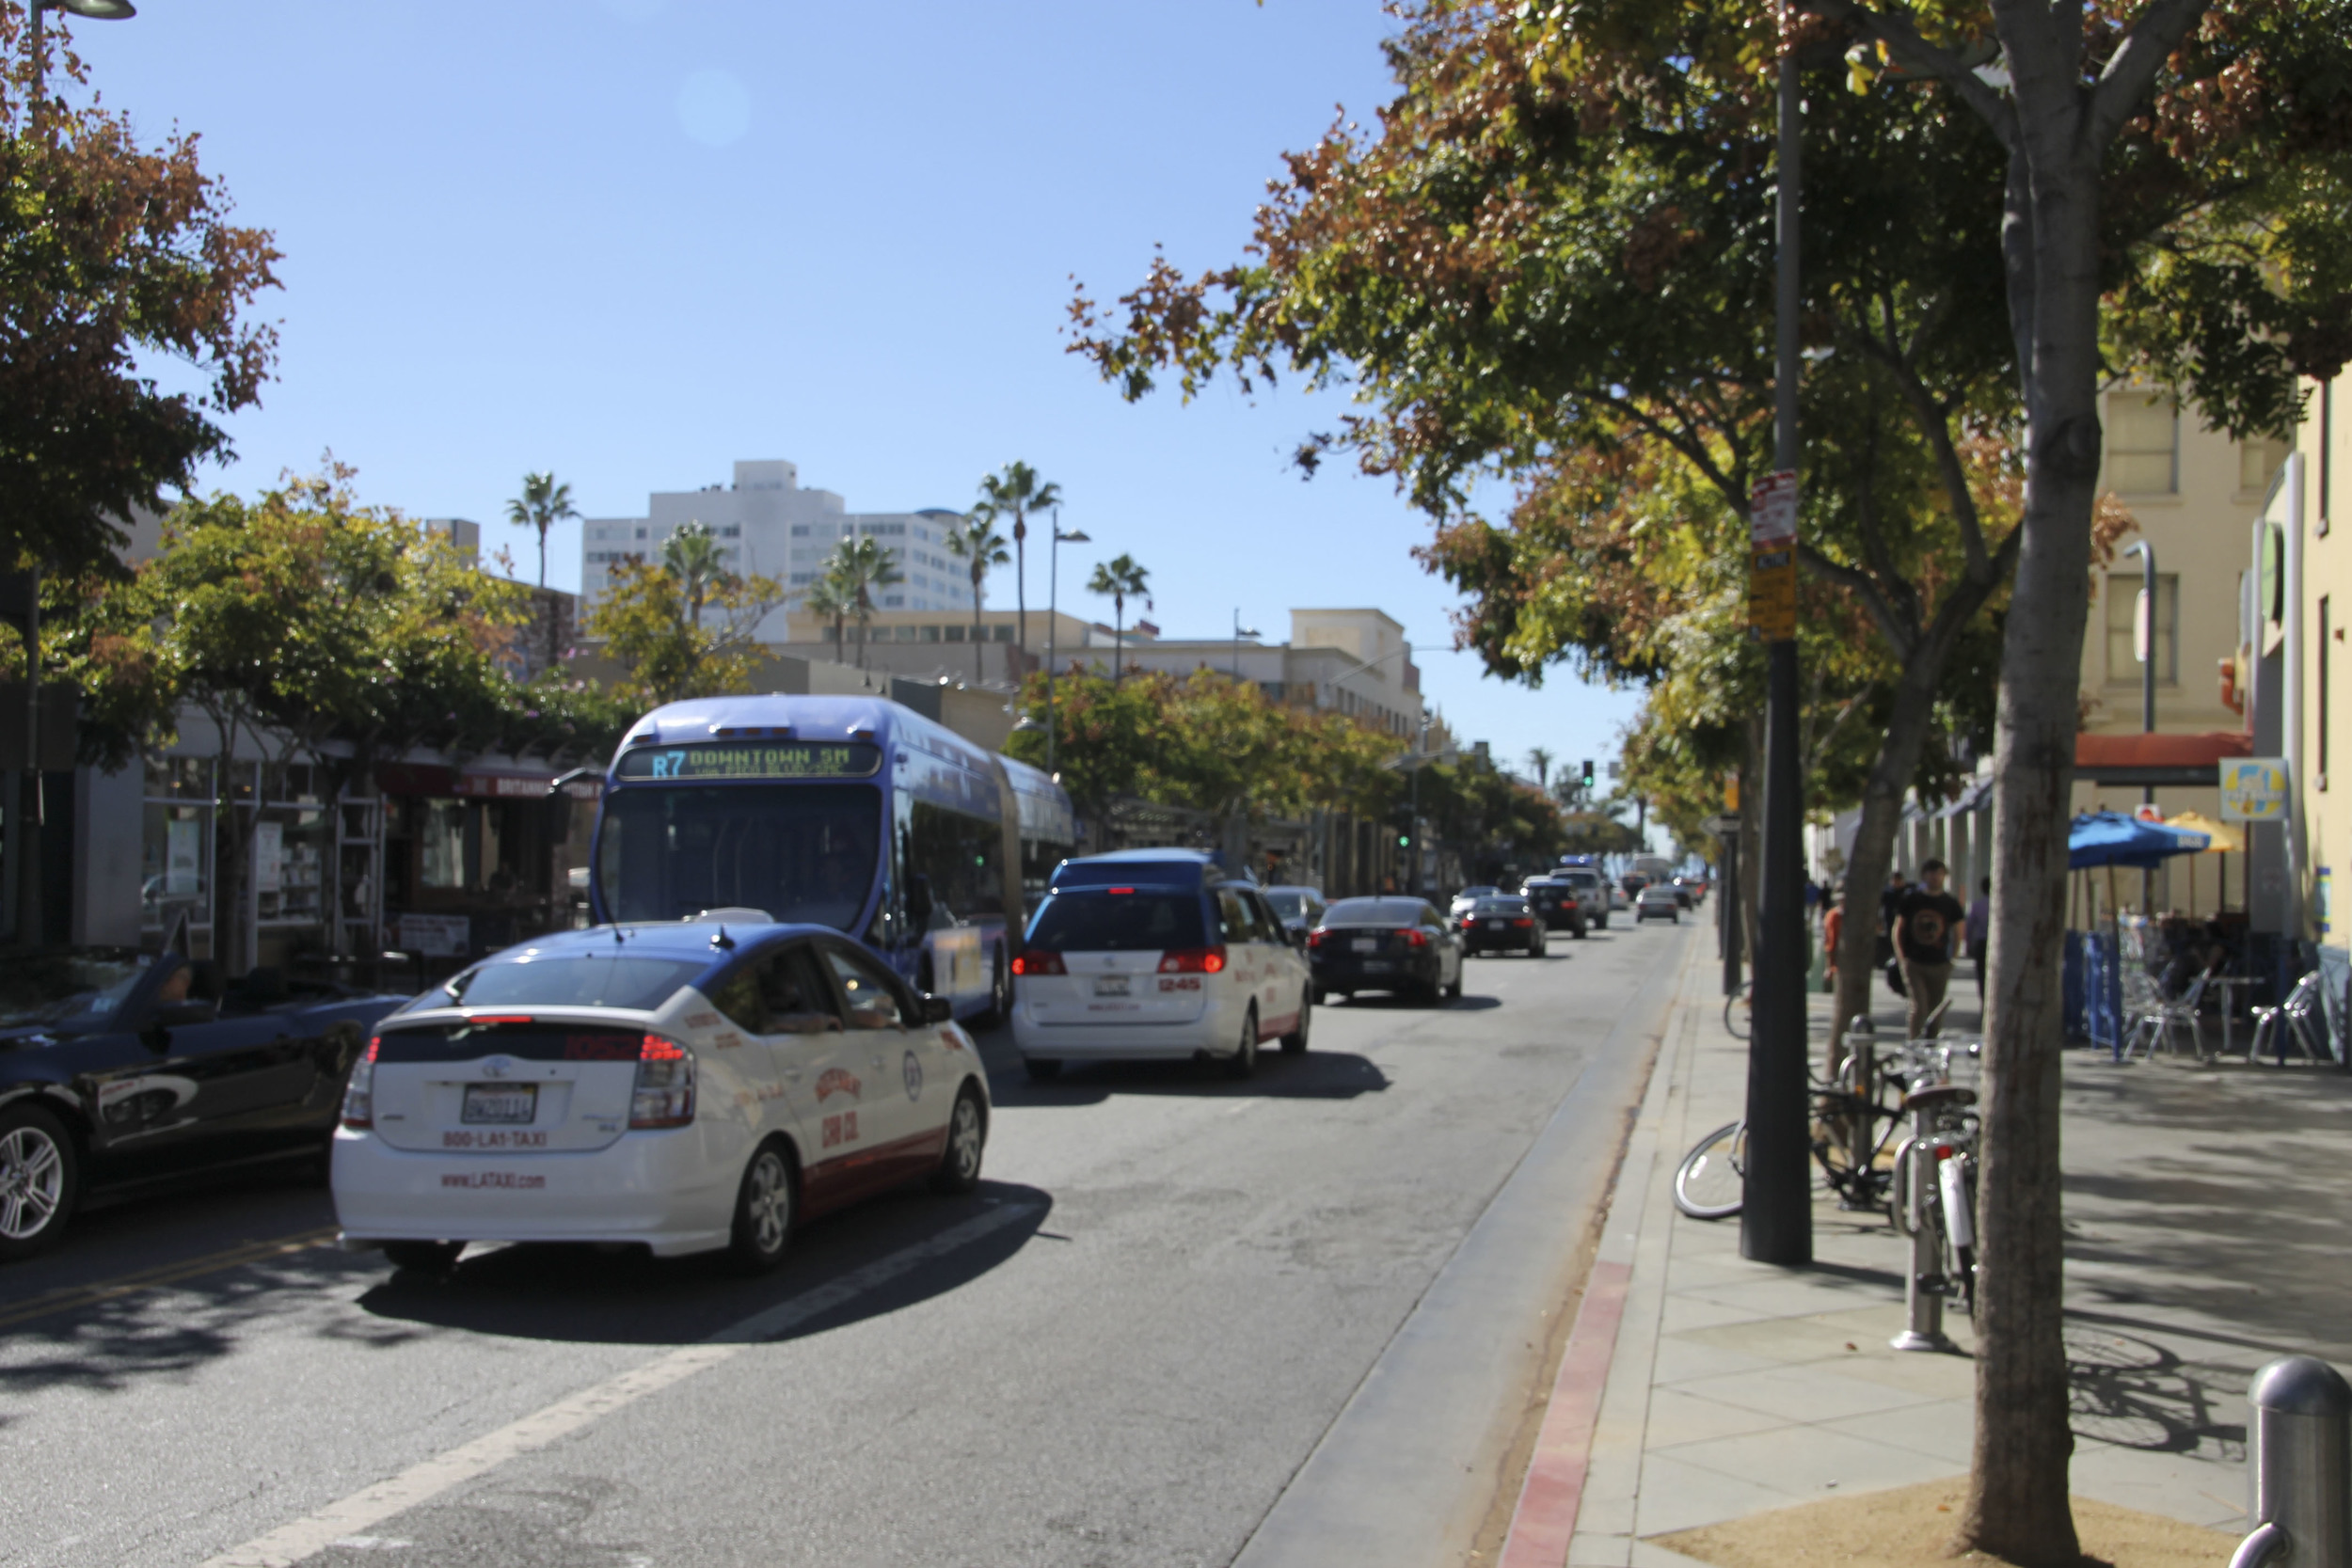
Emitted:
<point x="120" y="1070"/>
<point x="1558" y="903"/>
<point x="1402" y="945"/>
<point x="1502" y="925"/>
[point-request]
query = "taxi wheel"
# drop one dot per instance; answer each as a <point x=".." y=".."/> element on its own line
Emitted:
<point x="1295" y="1043"/>
<point x="40" y="1176"/>
<point x="1243" y="1061"/>
<point x="763" y="1212"/>
<point x="433" y="1258"/>
<point x="967" y="1139"/>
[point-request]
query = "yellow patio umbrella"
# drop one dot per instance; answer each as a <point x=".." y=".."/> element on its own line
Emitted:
<point x="2222" y="838"/>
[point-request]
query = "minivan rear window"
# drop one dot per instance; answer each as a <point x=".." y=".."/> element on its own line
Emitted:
<point x="1090" y="922"/>
<point x="617" y="979"/>
<point x="1083" y="873"/>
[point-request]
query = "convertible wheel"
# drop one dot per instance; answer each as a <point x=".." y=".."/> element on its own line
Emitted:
<point x="40" y="1176"/>
<point x="763" y="1212"/>
<point x="434" y="1258"/>
<point x="967" y="1139"/>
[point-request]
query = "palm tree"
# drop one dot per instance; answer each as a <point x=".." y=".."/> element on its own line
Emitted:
<point x="1015" y="494"/>
<point x="1119" y="579"/>
<point x="861" y="565"/>
<point x="1540" y="760"/>
<point x="543" y="504"/>
<point x="829" y="596"/>
<point x="695" y="557"/>
<point x="975" y="540"/>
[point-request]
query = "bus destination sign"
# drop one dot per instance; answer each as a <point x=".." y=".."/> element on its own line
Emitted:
<point x="767" y="759"/>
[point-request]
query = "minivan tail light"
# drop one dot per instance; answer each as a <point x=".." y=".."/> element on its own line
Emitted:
<point x="664" y="1094"/>
<point x="1415" y="937"/>
<point x="1039" y="961"/>
<point x="1193" y="960"/>
<point x="359" y="1094"/>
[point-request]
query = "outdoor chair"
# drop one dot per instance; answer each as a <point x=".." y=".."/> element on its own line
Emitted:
<point x="2162" y="1020"/>
<point x="2295" y="1021"/>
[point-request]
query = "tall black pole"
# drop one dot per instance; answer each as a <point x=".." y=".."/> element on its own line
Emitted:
<point x="1777" y="1217"/>
<point x="1727" y="914"/>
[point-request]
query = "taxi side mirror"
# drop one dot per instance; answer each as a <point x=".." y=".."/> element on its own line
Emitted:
<point x="938" y="1010"/>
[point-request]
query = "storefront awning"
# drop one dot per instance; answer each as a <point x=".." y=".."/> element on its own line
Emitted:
<point x="2151" y="760"/>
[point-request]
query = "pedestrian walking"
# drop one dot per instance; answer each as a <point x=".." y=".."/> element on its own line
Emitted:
<point x="1884" y="953"/>
<point x="1832" y="927"/>
<point x="1981" y="931"/>
<point x="1927" y="925"/>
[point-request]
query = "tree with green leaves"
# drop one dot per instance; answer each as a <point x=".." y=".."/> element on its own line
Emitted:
<point x="835" y="599"/>
<point x="684" y="627"/>
<point x="544" y="503"/>
<point x="1016" y="493"/>
<point x="695" y="557"/>
<point x="975" y="542"/>
<point x="1119" y="579"/>
<point x="859" y="566"/>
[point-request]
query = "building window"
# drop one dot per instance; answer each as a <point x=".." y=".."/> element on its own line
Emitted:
<point x="799" y="530"/>
<point x="2123" y="613"/>
<point x="930" y="634"/>
<point x="733" y="530"/>
<point x="441" y="846"/>
<point x="1004" y="633"/>
<point x="2258" y="464"/>
<point x="894" y="601"/>
<point x="2143" y="438"/>
<point x="955" y="634"/>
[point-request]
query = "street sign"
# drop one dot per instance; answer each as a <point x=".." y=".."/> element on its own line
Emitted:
<point x="2253" y="789"/>
<point x="1772" y="571"/>
<point x="1723" y="825"/>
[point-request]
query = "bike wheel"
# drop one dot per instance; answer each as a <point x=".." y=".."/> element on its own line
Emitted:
<point x="1710" y="1182"/>
<point x="1739" y="1011"/>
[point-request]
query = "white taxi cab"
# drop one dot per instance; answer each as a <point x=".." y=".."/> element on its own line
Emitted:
<point x="683" y="1087"/>
<point x="1151" y="953"/>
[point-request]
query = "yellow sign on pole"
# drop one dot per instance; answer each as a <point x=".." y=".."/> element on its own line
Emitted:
<point x="1772" y="570"/>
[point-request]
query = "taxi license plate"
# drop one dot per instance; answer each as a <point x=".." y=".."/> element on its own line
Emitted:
<point x="500" y="1105"/>
<point x="1366" y="944"/>
<point x="1110" y="984"/>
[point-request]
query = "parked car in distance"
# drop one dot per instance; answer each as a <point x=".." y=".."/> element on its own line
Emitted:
<point x="1658" y="900"/>
<point x="1155" y="954"/>
<point x="682" y="1088"/>
<point x="1619" y="898"/>
<point x="1559" y="904"/>
<point x="122" y="1070"/>
<point x="1297" y="908"/>
<point x="1592" y="892"/>
<point x="1502" y="925"/>
<point x="1391" y="944"/>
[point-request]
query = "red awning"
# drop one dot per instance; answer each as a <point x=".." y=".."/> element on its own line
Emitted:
<point x="2160" y="751"/>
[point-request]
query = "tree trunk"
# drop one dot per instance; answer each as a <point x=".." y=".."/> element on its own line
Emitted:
<point x="1891" y="772"/>
<point x="2017" y="1505"/>
<point x="1019" y="586"/>
<point x="977" y="639"/>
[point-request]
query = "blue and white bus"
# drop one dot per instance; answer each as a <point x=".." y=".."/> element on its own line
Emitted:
<point x="849" y="812"/>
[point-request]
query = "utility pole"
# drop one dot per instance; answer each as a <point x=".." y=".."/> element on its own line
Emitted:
<point x="1776" y="1214"/>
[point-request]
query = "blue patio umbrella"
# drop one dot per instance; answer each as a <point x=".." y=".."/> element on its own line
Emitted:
<point x="2110" y="838"/>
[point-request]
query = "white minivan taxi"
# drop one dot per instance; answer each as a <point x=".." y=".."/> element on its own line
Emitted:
<point x="684" y="1088"/>
<point x="1148" y="954"/>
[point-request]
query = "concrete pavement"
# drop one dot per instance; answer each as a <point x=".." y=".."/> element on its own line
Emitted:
<point x="2205" y="1211"/>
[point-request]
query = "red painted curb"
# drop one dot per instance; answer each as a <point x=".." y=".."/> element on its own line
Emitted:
<point x="1545" y="1518"/>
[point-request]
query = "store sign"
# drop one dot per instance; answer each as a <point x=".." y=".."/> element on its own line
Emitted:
<point x="760" y="760"/>
<point x="2253" y="789"/>
<point x="435" y="936"/>
<point x="1773" y="567"/>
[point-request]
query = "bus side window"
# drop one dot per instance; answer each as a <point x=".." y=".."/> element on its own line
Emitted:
<point x="962" y="857"/>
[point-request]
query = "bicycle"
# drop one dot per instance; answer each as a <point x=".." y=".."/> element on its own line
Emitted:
<point x="1739" y="1011"/>
<point x="1942" y="1209"/>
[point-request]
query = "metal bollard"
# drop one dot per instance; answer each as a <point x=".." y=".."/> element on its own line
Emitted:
<point x="2298" y="1466"/>
<point x="1923" y="1290"/>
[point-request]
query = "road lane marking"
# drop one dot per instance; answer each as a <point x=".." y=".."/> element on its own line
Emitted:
<point x="421" y="1482"/>
<point x="68" y="1297"/>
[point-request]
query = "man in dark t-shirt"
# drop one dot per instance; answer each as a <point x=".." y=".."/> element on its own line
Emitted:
<point x="1927" y="922"/>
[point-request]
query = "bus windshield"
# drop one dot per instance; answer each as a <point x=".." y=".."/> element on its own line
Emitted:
<point x="801" y="852"/>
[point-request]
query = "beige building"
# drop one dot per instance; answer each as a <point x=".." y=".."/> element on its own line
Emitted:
<point x="2315" y="559"/>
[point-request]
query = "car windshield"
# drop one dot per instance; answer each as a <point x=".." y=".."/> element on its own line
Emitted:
<point x="1502" y="906"/>
<point x="616" y="979"/>
<point x="804" y="853"/>
<point x="1373" y="912"/>
<point x="1289" y="906"/>
<point x="65" y="987"/>
<point x="1090" y="922"/>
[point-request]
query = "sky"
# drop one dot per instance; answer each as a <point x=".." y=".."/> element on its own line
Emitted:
<point x="632" y="241"/>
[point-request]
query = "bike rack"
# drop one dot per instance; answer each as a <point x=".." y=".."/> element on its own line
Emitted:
<point x="2299" y="1485"/>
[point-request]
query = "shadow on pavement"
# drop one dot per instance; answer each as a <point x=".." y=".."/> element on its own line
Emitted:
<point x="1316" y="1075"/>
<point x="1381" y="1001"/>
<point x="584" y="1295"/>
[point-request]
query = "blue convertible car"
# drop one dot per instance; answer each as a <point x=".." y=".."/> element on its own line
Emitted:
<point x="120" y="1069"/>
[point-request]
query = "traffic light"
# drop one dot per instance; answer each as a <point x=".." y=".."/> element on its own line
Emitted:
<point x="1588" y="772"/>
<point x="1404" y="840"/>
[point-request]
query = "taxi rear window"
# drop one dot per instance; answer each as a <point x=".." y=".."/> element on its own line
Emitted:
<point x="620" y="979"/>
<point x="1143" y="921"/>
<point x="533" y="1042"/>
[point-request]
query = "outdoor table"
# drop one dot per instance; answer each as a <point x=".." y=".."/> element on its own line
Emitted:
<point x="2226" y="985"/>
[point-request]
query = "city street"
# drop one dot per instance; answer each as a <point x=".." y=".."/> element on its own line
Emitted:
<point x="1122" y="1350"/>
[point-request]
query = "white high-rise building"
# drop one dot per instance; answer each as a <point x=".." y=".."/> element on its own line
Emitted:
<point x="768" y="525"/>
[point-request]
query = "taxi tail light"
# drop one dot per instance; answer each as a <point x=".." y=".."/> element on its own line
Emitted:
<point x="359" y="1094"/>
<point x="1414" y="937"/>
<point x="1193" y="960"/>
<point x="1038" y="961"/>
<point x="664" y="1096"/>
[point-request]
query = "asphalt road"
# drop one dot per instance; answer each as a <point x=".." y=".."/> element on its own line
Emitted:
<point x="1119" y="1351"/>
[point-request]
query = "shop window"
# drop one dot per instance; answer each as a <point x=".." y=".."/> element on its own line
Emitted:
<point x="441" y="844"/>
<point x="2143" y="438"/>
<point x="2258" y="464"/>
<point x="2123" y="598"/>
<point x="1004" y="633"/>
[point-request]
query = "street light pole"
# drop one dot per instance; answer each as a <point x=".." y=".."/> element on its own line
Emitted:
<point x="1776" y="1213"/>
<point x="1053" y="590"/>
<point x="2147" y="629"/>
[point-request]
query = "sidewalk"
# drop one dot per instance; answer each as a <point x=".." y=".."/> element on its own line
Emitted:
<point x="2205" y="1215"/>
